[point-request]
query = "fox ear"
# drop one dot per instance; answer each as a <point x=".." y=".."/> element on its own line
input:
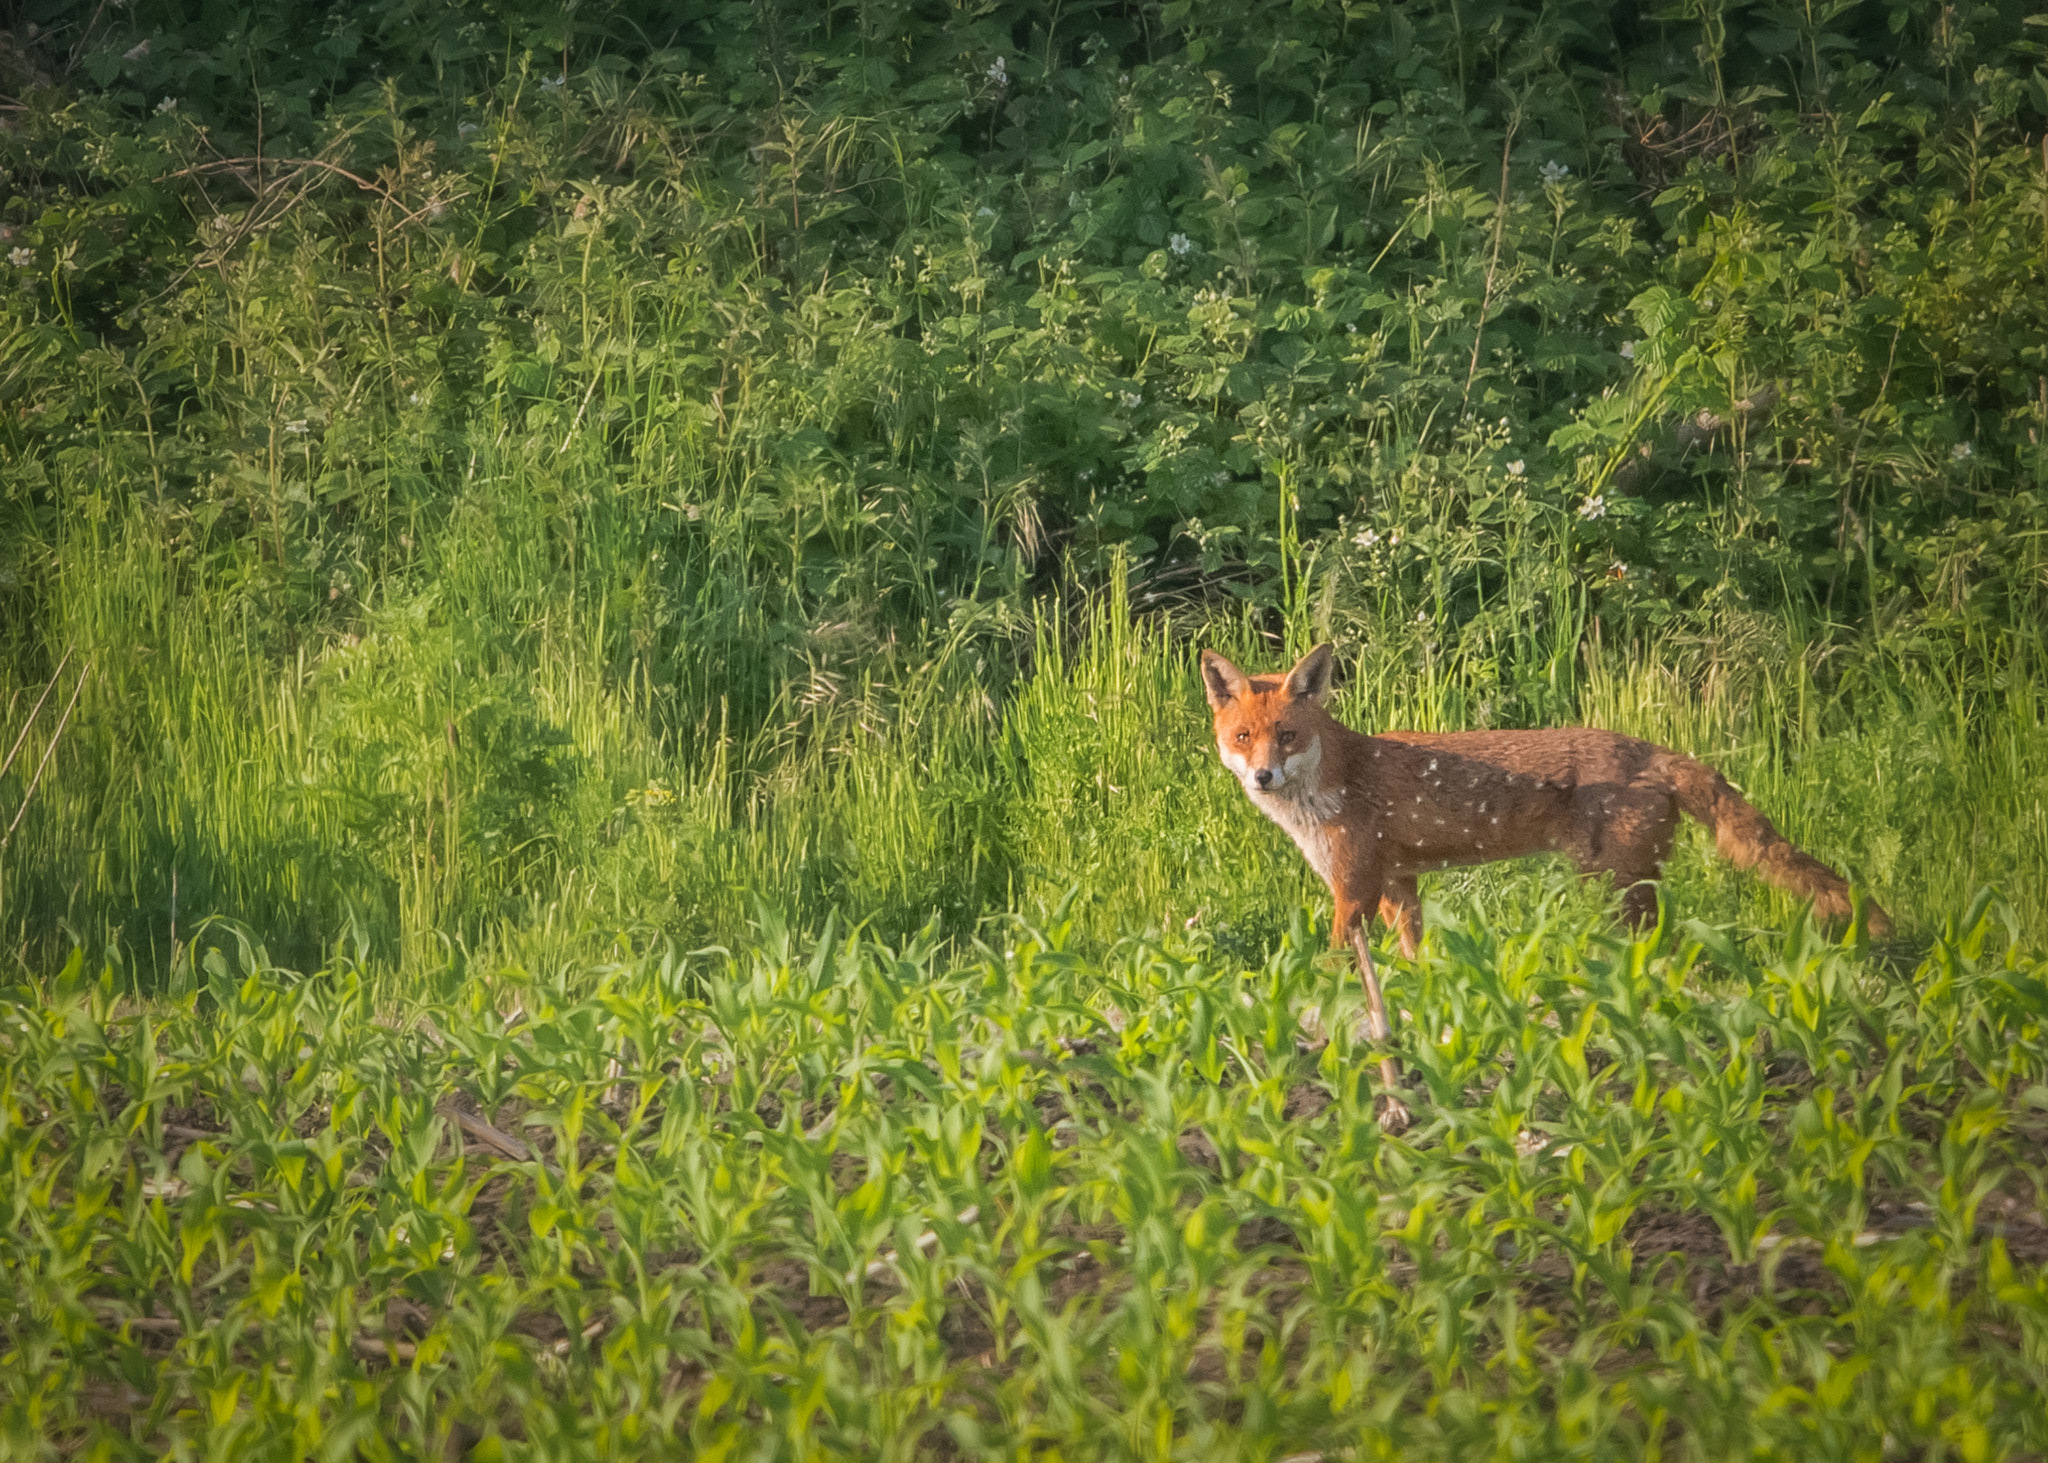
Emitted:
<point x="1310" y="678"/>
<point x="1223" y="681"/>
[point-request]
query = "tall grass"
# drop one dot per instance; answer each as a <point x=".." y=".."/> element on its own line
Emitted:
<point x="645" y="489"/>
<point x="483" y="767"/>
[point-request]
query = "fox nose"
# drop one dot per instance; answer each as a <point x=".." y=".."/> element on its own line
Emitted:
<point x="1263" y="777"/>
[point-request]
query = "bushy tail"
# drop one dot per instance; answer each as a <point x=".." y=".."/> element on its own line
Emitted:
<point x="1747" y="839"/>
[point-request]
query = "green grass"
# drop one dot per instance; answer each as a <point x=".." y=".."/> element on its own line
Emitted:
<point x="842" y="1197"/>
<point x="637" y="574"/>
<point x="417" y="788"/>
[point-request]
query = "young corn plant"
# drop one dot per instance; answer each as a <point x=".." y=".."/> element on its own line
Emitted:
<point x="835" y="1196"/>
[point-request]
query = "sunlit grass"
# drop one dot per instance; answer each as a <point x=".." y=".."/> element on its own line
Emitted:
<point x="848" y="1198"/>
<point x="427" y="784"/>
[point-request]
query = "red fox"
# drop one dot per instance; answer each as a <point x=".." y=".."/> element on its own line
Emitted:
<point x="1369" y="813"/>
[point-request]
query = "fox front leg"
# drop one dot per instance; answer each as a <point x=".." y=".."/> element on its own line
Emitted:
<point x="1352" y="918"/>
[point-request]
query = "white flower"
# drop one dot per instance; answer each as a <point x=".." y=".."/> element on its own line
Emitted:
<point x="1555" y="172"/>
<point x="1628" y="350"/>
<point x="1365" y="538"/>
<point x="1350" y="329"/>
<point x="1179" y="244"/>
<point x="297" y="428"/>
<point x="1131" y="400"/>
<point x="21" y="258"/>
<point x="415" y="398"/>
<point x="1593" y="507"/>
<point x="165" y="107"/>
<point x="1960" y="451"/>
<point x="137" y="51"/>
<point x="1515" y="468"/>
<point x="555" y="83"/>
<point x="984" y="212"/>
<point x="465" y="129"/>
<point x="999" y="73"/>
<point x="1422" y="617"/>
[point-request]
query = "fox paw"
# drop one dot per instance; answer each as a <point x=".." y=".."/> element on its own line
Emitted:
<point x="1394" y="1115"/>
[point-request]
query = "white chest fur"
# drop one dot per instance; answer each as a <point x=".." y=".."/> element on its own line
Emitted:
<point x="1305" y="807"/>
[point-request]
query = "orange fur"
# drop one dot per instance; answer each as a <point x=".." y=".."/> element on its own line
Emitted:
<point x="1370" y="813"/>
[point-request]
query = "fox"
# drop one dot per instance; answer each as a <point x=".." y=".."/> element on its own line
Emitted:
<point x="1370" y="813"/>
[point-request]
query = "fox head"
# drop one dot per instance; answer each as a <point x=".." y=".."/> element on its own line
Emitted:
<point x="1269" y="728"/>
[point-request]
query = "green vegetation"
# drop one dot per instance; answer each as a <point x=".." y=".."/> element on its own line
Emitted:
<point x="494" y="499"/>
<point x="837" y="1199"/>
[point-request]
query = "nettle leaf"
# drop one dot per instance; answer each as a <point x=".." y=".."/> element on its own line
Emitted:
<point x="1662" y="310"/>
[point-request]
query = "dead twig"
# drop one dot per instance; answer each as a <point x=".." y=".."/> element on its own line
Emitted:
<point x="382" y="1348"/>
<point x="1500" y="222"/>
<point x="495" y="1139"/>
<point x="34" y="712"/>
<point x="154" y="1325"/>
<point x="49" y="751"/>
<point x="590" y="1333"/>
<point x="239" y="168"/>
<point x="370" y="1348"/>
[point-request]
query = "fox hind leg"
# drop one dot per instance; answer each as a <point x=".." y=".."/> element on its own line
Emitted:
<point x="1638" y="896"/>
<point x="1626" y="834"/>
<point x="1401" y="908"/>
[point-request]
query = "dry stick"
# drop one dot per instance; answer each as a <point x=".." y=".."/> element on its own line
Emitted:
<point x="495" y="1138"/>
<point x="570" y="435"/>
<point x="55" y="676"/>
<point x="1500" y="224"/>
<point x="382" y="1348"/>
<point x="236" y="166"/>
<point x="375" y="1348"/>
<point x="55" y="737"/>
<point x="589" y="1333"/>
<point x="262" y="189"/>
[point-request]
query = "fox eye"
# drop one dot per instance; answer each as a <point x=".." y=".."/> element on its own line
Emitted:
<point x="1244" y="736"/>
<point x="1287" y="739"/>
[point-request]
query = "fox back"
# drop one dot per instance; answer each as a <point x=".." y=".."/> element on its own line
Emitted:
<point x="1371" y="812"/>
